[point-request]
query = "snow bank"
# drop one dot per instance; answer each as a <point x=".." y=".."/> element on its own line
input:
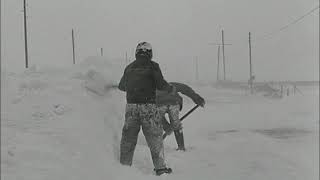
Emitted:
<point x="64" y="124"/>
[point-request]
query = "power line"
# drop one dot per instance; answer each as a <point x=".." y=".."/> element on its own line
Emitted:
<point x="270" y="35"/>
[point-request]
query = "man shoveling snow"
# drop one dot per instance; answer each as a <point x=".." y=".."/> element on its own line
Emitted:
<point x="171" y="104"/>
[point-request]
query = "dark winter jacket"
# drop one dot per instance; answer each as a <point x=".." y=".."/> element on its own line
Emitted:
<point x="140" y="80"/>
<point x="164" y="98"/>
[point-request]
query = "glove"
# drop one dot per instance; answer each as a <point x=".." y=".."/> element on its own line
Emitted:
<point x="200" y="101"/>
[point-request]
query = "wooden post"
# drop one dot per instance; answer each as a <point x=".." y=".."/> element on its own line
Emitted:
<point x="25" y="33"/>
<point x="73" y="48"/>
<point x="223" y="56"/>
<point x="218" y="63"/>
<point x="101" y="51"/>
<point x="250" y="63"/>
<point x="218" y="67"/>
<point x="0" y="33"/>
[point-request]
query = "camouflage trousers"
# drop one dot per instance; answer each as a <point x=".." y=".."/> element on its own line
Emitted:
<point x="147" y="116"/>
<point x="173" y="114"/>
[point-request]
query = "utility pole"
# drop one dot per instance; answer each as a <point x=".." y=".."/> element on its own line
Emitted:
<point x="250" y="63"/>
<point x="218" y="63"/>
<point x="25" y="33"/>
<point x="101" y="51"/>
<point x="223" y="55"/>
<point x="219" y="45"/>
<point x="73" y="49"/>
<point x="0" y="33"/>
<point x="224" y="61"/>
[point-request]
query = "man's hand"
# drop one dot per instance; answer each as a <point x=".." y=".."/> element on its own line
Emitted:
<point x="200" y="101"/>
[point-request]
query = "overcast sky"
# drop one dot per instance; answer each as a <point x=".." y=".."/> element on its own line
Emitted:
<point x="179" y="30"/>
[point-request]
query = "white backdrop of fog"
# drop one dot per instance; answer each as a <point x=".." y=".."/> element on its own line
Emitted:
<point x="179" y="30"/>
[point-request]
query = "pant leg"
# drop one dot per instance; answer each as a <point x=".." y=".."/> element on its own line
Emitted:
<point x="152" y="130"/>
<point x="165" y="124"/>
<point x="173" y="112"/>
<point x="130" y="133"/>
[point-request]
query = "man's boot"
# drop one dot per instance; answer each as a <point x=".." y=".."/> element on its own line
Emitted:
<point x="162" y="171"/>
<point x="180" y="140"/>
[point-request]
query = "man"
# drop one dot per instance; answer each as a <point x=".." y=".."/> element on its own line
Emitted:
<point x="140" y="80"/>
<point x="171" y="103"/>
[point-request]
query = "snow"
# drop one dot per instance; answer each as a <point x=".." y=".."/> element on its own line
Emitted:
<point x="64" y="124"/>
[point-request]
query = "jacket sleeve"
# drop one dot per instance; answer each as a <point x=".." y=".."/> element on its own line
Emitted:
<point x="122" y="84"/>
<point x="161" y="84"/>
<point x="189" y="92"/>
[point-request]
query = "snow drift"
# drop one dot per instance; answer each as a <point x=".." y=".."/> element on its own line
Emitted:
<point x="65" y="124"/>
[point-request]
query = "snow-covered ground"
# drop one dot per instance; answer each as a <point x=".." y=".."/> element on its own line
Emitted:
<point x="53" y="126"/>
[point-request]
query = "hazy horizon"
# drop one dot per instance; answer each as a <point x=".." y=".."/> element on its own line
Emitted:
<point x="178" y="30"/>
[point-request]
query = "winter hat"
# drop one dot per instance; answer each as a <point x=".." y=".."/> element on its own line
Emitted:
<point x="144" y="49"/>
